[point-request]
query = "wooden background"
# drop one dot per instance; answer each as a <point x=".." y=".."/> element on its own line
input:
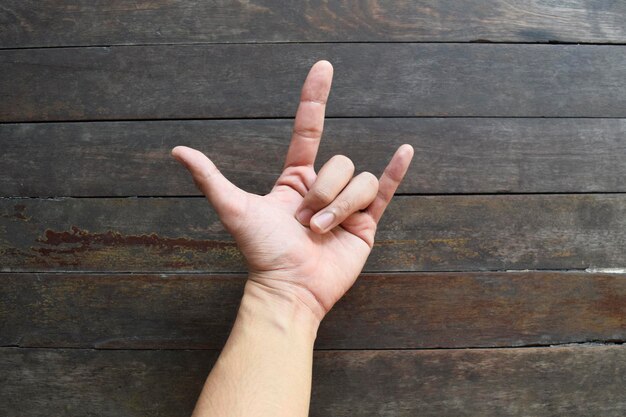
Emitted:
<point x="489" y="291"/>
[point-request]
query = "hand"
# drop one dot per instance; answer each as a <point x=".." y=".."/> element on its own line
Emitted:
<point x="311" y="235"/>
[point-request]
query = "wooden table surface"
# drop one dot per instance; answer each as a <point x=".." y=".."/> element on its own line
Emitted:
<point x="496" y="287"/>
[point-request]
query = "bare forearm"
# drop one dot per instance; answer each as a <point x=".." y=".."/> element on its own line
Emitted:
<point x="265" y="367"/>
<point x="305" y="244"/>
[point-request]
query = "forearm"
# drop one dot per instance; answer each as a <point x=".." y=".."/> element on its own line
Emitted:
<point x="310" y="237"/>
<point x="265" y="367"/>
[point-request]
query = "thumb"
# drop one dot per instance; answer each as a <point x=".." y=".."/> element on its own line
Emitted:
<point x="227" y="199"/>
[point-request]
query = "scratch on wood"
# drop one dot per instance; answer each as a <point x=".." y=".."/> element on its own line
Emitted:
<point x="595" y="270"/>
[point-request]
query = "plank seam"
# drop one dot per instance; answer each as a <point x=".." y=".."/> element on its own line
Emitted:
<point x="582" y="344"/>
<point x="200" y="196"/>
<point x="590" y="270"/>
<point x="290" y="118"/>
<point x="470" y="42"/>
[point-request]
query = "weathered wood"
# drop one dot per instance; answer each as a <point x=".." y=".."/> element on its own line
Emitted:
<point x="572" y="381"/>
<point x="418" y="233"/>
<point x="390" y="311"/>
<point x="453" y="155"/>
<point x="27" y="23"/>
<point x="241" y="81"/>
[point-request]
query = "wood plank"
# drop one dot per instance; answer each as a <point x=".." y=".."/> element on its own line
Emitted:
<point x="28" y="23"/>
<point x="382" y="311"/>
<point x="453" y="155"/>
<point x="572" y="381"/>
<point x="242" y="81"/>
<point x="418" y="233"/>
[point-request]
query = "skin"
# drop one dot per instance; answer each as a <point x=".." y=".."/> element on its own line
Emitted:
<point x="305" y="244"/>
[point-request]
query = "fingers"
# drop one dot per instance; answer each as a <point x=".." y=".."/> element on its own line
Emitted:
<point x="357" y="195"/>
<point x="309" y="122"/>
<point x="390" y="180"/>
<point x="331" y="179"/>
<point x="225" y="197"/>
<point x="333" y="204"/>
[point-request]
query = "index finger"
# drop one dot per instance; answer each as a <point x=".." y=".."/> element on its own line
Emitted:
<point x="309" y="122"/>
<point x="390" y="180"/>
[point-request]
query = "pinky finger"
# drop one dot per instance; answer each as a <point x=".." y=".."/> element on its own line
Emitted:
<point x="390" y="180"/>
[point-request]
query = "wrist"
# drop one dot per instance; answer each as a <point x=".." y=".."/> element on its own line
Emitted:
<point x="281" y="309"/>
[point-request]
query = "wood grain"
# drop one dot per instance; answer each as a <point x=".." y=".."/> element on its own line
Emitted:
<point x="572" y="381"/>
<point x="243" y="81"/>
<point x="88" y="284"/>
<point x="453" y="155"/>
<point x="417" y="233"/>
<point x="381" y="311"/>
<point x="29" y="23"/>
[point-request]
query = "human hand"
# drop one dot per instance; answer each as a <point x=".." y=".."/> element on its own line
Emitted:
<point x="311" y="235"/>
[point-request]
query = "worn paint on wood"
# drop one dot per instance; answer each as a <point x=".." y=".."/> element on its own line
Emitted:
<point x="388" y="311"/>
<point x="452" y="155"/>
<point x="371" y="80"/>
<point x="28" y="23"/>
<point x="573" y="381"/>
<point x="418" y="233"/>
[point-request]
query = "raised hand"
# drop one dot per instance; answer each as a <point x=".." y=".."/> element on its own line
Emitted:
<point x="311" y="235"/>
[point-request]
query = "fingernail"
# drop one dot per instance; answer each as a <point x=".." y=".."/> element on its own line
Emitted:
<point x="324" y="220"/>
<point x="305" y="216"/>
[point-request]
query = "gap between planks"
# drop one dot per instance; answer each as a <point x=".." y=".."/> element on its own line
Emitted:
<point x="581" y="344"/>
<point x="208" y="44"/>
<point x="200" y="196"/>
<point x="166" y="273"/>
<point x="252" y="118"/>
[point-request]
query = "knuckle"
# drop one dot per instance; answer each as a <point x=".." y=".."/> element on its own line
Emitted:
<point x="297" y="177"/>
<point x="344" y="206"/>
<point x="322" y="195"/>
<point x="308" y="132"/>
<point x="317" y="101"/>
<point x="206" y="176"/>
<point x="198" y="183"/>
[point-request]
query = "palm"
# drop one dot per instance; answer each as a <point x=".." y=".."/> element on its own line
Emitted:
<point x="325" y="264"/>
<point x="315" y="260"/>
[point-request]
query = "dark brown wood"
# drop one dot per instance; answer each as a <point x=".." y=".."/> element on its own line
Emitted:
<point x="572" y="381"/>
<point x="417" y="233"/>
<point x="503" y="382"/>
<point x="389" y="311"/>
<point x="242" y="81"/>
<point x="88" y="284"/>
<point x="27" y="23"/>
<point x="453" y="155"/>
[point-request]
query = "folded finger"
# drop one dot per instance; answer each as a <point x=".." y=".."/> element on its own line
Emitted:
<point x="357" y="195"/>
<point x="331" y="179"/>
